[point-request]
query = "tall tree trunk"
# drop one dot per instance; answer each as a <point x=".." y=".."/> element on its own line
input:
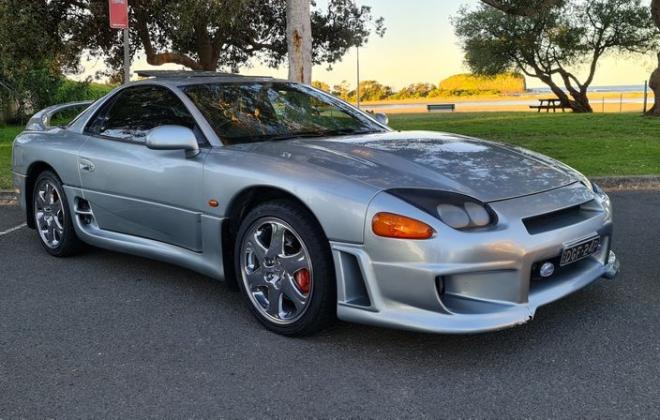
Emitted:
<point x="580" y="102"/>
<point x="654" y="82"/>
<point x="577" y="101"/>
<point x="299" y="40"/>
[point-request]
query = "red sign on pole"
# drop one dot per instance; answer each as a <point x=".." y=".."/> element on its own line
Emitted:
<point x="118" y="14"/>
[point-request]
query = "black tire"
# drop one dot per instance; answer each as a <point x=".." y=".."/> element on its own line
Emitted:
<point x="322" y="301"/>
<point x="69" y="244"/>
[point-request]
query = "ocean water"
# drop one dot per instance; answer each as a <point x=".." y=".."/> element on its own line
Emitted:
<point x="600" y="89"/>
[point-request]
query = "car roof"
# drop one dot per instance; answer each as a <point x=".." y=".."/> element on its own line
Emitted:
<point x="184" y="78"/>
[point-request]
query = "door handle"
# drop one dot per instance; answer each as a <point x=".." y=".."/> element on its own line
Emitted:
<point x="86" y="165"/>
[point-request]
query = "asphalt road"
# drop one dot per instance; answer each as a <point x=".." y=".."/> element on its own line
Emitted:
<point x="111" y="335"/>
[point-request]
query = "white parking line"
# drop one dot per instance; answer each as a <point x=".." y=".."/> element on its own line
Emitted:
<point x="15" y="228"/>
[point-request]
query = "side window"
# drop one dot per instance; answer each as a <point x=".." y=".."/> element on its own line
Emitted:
<point x="137" y="110"/>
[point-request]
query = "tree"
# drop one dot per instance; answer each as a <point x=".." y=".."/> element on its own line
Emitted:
<point x="217" y="34"/>
<point x="299" y="40"/>
<point x="654" y="82"/>
<point x="341" y="90"/>
<point x="371" y="90"/>
<point x="551" y="43"/>
<point x="321" y="86"/>
<point x="415" y="90"/>
<point x="527" y="8"/>
<point x="31" y="61"/>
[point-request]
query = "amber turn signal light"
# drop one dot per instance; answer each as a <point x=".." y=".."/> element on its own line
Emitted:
<point x="395" y="226"/>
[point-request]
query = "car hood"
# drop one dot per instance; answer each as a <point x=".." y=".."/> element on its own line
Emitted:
<point x="485" y="170"/>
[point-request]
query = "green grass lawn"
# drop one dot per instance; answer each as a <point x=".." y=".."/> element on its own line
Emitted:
<point x="596" y="144"/>
<point x="7" y="134"/>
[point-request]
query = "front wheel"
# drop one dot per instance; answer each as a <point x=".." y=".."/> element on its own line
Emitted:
<point x="285" y="269"/>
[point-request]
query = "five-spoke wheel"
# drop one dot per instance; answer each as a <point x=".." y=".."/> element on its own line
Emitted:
<point x="276" y="270"/>
<point x="285" y="270"/>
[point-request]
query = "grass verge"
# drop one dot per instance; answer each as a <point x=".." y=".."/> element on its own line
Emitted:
<point x="595" y="144"/>
<point x="7" y="134"/>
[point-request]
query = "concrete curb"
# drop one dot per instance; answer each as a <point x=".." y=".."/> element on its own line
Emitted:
<point x="7" y="197"/>
<point x="628" y="183"/>
<point x="608" y="183"/>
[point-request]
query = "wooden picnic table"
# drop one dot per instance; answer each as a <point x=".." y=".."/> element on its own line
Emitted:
<point x="549" y="104"/>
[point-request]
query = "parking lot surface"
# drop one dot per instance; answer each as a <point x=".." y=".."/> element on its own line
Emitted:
<point x="106" y="334"/>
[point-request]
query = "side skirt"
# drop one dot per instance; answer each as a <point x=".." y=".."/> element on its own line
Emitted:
<point x="208" y="262"/>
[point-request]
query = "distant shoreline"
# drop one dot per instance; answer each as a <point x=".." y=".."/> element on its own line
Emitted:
<point x="627" y="101"/>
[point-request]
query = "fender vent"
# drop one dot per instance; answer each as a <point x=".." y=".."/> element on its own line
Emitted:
<point x="84" y="212"/>
<point x="355" y="291"/>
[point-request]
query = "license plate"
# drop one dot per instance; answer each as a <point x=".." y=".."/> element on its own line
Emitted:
<point x="579" y="251"/>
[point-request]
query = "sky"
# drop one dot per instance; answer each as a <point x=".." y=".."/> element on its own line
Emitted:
<point x="420" y="46"/>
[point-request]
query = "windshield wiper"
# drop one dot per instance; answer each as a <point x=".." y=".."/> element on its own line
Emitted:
<point x="329" y="133"/>
<point x="290" y="136"/>
<point x="349" y="132"/>
<point x="307" y="134"/>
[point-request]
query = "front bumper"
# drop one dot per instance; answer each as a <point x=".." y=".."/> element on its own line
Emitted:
<point x="473" y="282"/>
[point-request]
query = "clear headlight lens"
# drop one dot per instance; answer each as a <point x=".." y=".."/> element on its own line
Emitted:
<point x="454" y="216"/>
<point x="470" y="215"/>
<point x="478" y="214"/>
<point x="455" y="210"/>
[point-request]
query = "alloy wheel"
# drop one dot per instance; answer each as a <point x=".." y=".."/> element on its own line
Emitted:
<point x="276" y="270"/>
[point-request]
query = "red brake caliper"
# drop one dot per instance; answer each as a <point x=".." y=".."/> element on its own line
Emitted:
<point x="303" y="280"/>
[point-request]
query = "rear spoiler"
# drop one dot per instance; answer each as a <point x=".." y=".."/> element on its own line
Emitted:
<point x="41" y="120"/>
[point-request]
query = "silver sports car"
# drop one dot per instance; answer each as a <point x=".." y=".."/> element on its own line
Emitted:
<point x="312" y="208"/>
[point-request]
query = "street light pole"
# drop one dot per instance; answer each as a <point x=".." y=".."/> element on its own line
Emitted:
<point x="358" y="76"/>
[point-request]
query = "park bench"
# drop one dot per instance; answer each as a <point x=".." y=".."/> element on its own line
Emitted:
<point x="441" y="107"/>
<point x="549" y="104"/>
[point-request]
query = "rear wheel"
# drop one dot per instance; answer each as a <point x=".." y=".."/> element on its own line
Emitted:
<point x="285" y="269"/>
<point x="52" y="217"/>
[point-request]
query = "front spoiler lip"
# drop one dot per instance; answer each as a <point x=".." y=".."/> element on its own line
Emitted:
<point x="405" y="317"/>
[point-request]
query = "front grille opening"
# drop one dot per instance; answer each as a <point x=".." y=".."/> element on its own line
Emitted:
<point x="560" y="218"/>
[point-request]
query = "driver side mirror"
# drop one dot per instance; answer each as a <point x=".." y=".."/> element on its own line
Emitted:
<point x="173" y="137"/>
<point x="382" y="118"/>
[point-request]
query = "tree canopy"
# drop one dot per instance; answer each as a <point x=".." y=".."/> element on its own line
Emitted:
<point x="32" y="56"/>
<point x="551" y="44"/>
<point x="527" y="8"/>
<point x="217" y="34"/>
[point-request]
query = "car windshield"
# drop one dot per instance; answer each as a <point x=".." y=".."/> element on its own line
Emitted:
<point x="265" y="111"/>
